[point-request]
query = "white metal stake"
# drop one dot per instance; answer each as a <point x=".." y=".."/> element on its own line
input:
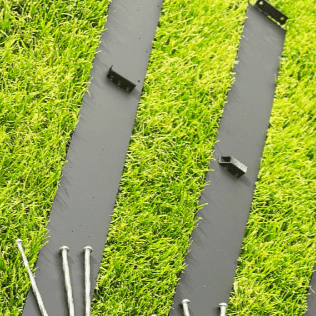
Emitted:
<point x="223" y="308"/>
<point x="64" y="250"/>
<point x="185" y="304"/>
<point x="87" y="251"/>
<point x="32" y="279"/>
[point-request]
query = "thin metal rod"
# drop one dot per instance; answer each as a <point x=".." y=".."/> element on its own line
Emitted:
<point x="223" y="307"/>
<point x="64" y="250"/>
<point x="87" y="251"/>
<point x="185" y="304"/>
<point x="32" y="279"/>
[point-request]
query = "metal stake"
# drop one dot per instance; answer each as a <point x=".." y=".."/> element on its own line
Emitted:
<point x="185" y="304"/>
<point x="64" y="250"/>
<point x="223" y="307"/>
<point x="87" y="251"/>
<point x="32" y="279"/>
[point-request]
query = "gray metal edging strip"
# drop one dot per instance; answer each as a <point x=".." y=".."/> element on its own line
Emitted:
<point x="85" y="199"/>
<point x="212" y="260"/>
<point x="311" y="299"/>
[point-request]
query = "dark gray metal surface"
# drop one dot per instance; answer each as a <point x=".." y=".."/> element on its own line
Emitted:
<point x="311" y="299"/>
<point x="85" y="199"/>
<point x="211" y="263"/>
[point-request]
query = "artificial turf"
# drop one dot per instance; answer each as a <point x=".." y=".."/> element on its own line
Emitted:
<point x="46" y="52"/>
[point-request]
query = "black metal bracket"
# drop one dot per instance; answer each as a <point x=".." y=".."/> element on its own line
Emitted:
<point x="120" y="81"/>
<point x="267" y="9"/>
<point x="234" y="166"/>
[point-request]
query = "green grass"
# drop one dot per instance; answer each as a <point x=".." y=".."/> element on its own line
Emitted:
<point x="46" y="51"/>
<point x="188" y="78"/>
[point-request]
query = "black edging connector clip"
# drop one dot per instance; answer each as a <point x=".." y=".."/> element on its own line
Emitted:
<point x="120" y="81"/>
<point x="267" y="9"/>
<point x="234" y="166"/>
